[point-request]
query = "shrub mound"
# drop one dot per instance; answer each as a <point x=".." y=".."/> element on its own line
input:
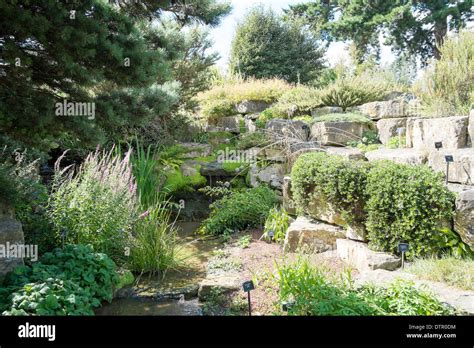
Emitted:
<point x="69" y="281"/>
<point x="239" y="210"/>
<point x="312" y="291"/>
<point x="394" y="202"/>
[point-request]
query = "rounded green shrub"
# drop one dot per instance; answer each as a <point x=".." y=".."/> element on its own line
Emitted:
<point x="239" y="210"/>
<point x="406" y="203"/>
<point x="334" y="179"/>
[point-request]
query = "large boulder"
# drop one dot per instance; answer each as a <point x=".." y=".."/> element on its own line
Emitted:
<point x="461" y="170"/>
<point x="403" y="156"/>
<point x="464" y="217"/>
<point x="320" y="209"/>
<point x="194" y="150"/>
<point x="361" y="257"/>
<point x="385" y="109"/>
<point x="422" y="133"/>
<point x="326" y="110"/>
<point x="251" y="106"/>
<point x="275" y="155"/>
<point x="288" y="202"/>
<point x="338" y="133"/>
<point x="311" y="236"/>
<point x="388" y="128"/>
<point x="272" y="175"/>
<point x="231" y="124"/>
<point x="346" y="152"/>
<point x="11" y="235"/>
<point x="287" y="131"/>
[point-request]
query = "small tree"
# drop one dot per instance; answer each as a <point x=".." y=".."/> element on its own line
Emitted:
<point x="266" y="46"/>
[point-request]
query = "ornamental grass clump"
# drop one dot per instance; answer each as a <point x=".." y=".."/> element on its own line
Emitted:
<point x="97" y="204"/>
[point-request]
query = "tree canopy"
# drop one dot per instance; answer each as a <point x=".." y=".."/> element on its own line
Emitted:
<point x="415" y="27"/>
<point x="266" y="46"/>
<point x="94" y="51"/>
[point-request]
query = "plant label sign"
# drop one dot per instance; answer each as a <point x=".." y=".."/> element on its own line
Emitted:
<point x="449" y="158"/>
<point x="248" y="286"/>
<point x="438" y="145"/>
<point x="403" y="247"/>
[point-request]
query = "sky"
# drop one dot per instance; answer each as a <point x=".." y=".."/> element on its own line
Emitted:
<point x="223" y="34"/>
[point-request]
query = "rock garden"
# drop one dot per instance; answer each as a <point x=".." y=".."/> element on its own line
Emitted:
<point x="345" y="191"/>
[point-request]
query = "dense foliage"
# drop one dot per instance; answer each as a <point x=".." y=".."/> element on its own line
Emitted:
<point x="69" y="281"/>
<point x="153" y="248"/>
<point x="447" y="86"/>
<point x="394" y="202"/>
<point x="333" y="179"/>
<point x="265" y="46"/>
<point x="98" y="205"/>
<point x="406" y="203"/>
<point x="313" y="291"/>
<point x="239" y="210"/>
<point x="414" y="27"/>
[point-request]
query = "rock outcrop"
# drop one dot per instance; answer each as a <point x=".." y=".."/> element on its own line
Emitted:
<point x="403" y="156"/>
<point x="388" y="128"/>
<point x="464" y="217"/>
<point x="311" y="236"/>
<point x="338" y="133"/>
<point x="361" y="257"/>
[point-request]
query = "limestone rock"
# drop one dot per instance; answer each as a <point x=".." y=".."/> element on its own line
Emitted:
<point x="275" y="155"/>
<point x="251" y="106"/>
<point x="250" y="125"/>
<point x="231" y="123"/>
<point x="11" y="233"/>
<point x="349" y="153"/>
<point x="271" y="175"/>
<point x="403" y="156"/>
<point x="311" y="236"/>
<point x="361" y="257"/>
<point x="338" y="133"/>
<point x="325" y="110"/>
<point x="385" y="109"/>
<point x="388" y="128"/>
<point x="464" y="217"/>
<point x="422" y="133"/>
<point x="221" y="284"/>
<point x="461" y="170"/>
<point x="288" y="203"/>
<point x="356" y="233"/>
<point x="196" y="150"/>
<point x="280" y="130"/>
<point x="320" y="209"/>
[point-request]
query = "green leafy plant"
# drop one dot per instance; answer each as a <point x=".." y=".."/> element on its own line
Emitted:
<point x="96" y="206"/>
<point x="69" y="281"/>
<point x="244" y="241"/>
<point x="397" y="142"/>
<point x="315" y="291"/>
<point x="368" y="142"/>
<point x="239" y="210"/>
<point x="332" y="179"/>
<point x="277" y="223"/>
<point x="406" y="203"/>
